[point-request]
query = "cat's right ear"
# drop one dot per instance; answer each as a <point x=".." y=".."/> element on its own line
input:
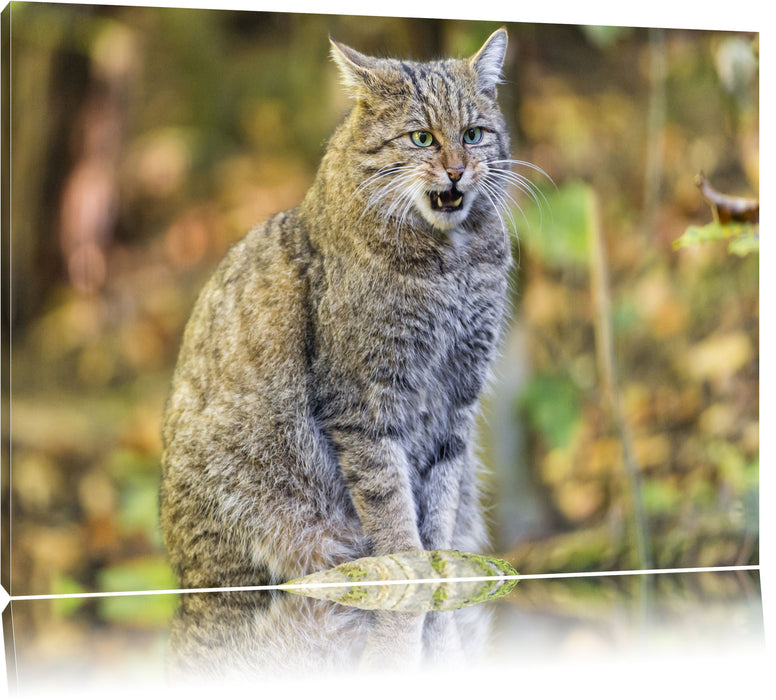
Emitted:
<point x="356" y="69"/>
<point x="488" y="61"/>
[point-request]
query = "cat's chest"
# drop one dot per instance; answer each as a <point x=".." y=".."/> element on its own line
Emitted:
<point x="396" y="348"/>
<point x="422" y="325"/>
<point x="386" y="305"/>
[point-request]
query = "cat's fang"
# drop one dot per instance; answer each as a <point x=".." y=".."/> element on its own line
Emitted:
<point x="449" y="200"/>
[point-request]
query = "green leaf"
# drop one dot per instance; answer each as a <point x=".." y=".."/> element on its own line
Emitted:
<point x="745" y="244"/>
<point x="63" y="585"/>
<point x="553" y="407"/>
<point x="139" y="508"/>
<point x="150" y="574"/>
<point x="558" y="226"/>
<point x="139" y="610"/>
<point x="660" y="497"/>
<point x="745" y="236"/>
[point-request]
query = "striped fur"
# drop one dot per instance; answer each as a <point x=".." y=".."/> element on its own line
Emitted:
<point x="323" y="403"/>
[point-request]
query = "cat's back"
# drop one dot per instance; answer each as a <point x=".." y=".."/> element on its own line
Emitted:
<point x="245" y="336"/>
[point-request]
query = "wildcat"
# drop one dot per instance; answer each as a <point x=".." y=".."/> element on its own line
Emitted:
<point x="323" y="403"/>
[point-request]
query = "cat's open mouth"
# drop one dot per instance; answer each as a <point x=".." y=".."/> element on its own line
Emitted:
<point x="449" y="200"/>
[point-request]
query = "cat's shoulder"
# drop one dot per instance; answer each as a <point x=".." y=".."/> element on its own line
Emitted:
<point x="275" y="247"/>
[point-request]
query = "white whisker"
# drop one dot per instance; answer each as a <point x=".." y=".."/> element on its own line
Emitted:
<point x="528" y="189"/>
<point x="521" y="183"/>
<point x="411" y="195"/>
<point x="402" y="186"/>
<point x="524" y="163"/>
<point x="385" y="171"/>
<point x="400" y="175"/>
<point x="490" y="197"/>
<point x="390" y="188"/>
<point x="501" y="197"/>
<point x="497" y="197"/>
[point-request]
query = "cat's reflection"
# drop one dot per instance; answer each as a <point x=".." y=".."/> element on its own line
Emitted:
<point x="242" y="635"/>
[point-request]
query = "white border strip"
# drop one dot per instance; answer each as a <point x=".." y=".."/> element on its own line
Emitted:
<point x="293" y="586"/>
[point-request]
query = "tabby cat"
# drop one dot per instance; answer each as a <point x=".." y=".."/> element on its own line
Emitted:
<point x="323" y="403"/>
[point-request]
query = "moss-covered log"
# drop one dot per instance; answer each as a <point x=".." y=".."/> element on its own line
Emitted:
<point x="420" y="581"/>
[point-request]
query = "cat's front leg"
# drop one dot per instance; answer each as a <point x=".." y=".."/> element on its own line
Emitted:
<point x="439" y="496"/>
<point x="376" y="471"/>
<point x="448" y="500"/>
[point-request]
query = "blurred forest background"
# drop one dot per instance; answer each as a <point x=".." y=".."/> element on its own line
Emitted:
<point x="623" y="426"/>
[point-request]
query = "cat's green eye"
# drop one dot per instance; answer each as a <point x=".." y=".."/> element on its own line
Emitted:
<point x="473" y="135"/>
<point x="422" y="138"/>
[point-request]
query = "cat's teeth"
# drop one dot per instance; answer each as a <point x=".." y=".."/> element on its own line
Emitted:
<point x="443" y="200"/>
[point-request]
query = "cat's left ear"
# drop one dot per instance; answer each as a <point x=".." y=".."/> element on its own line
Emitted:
<point x="488" y="61"/>
<point x="357" y="71"/>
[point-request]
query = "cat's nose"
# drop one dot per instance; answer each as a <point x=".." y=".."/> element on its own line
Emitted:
<point x="454" y="172"/>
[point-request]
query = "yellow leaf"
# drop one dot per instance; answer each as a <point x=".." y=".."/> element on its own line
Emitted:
<point x="720" y="356"/>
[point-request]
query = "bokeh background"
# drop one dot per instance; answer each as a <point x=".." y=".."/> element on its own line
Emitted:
<point x="622" y="429"/>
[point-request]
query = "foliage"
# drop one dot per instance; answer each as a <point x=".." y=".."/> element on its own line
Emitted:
<point x="684" y="316"/>
<point x="65" y="607"/>
<point x="557" y="226"/>
<point x="745" y="238"/>
<point x="552" y="406"/>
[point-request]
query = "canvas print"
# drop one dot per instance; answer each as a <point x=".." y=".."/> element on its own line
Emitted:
<point x="369" y="299"/>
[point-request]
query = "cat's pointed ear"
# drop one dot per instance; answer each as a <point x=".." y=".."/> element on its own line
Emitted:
<point x="488" y="61"/>
<point x="356" y="69"/>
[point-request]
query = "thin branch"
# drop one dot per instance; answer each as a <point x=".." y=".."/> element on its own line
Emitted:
<point x="611" y="390"/>
<point x="726" y="208"/>
<point x="656" y="124"/>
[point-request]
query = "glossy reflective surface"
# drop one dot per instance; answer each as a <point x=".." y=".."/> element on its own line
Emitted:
<point x="184" y="643"/>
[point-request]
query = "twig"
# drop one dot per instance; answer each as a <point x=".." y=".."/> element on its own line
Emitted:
<point x="726" y="208"/>
<point x="611" y="391"/>
<point x="656" y="125"/>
